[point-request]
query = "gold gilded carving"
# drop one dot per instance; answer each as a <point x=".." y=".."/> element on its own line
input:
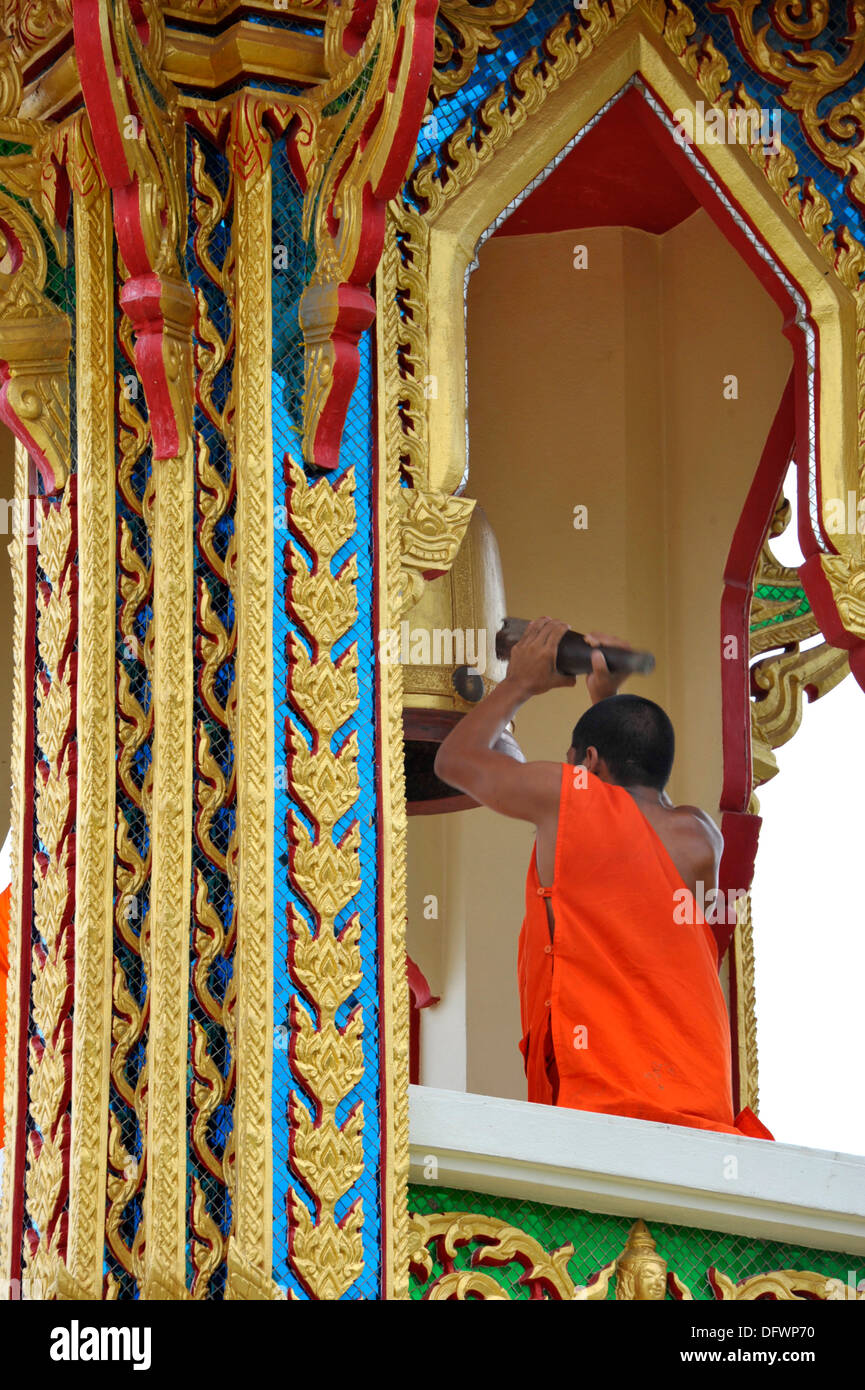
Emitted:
<point x="785" y="676"/>
<point x="500" y="1244"/>
<point x="808" y="75"/>
<point x="165" y="1213"/>
<point x="49" y="1053"/>
<point x="149" y="183"/>
<point x="474" y="142"/>
<point x="21" y="864"/>
<point x="95" y="775"/>
<point x="34" y="352"/>
<point x="432" y="524"/>
<point x="249" y="1173"/>
<point x="782" y="1285"/>
<point x="327" y="1156"/>
<point x="350" y="143"/>
<point x="247" y="1282"/>
<point x="396" y="1231"/>
<point x="431" y="531"/>
<point x="641" y="1274"/>
<point x="10" y="80"/>
<point x="463" y="31"/>
<point x="746" y="1006"/>
<point x="403" y="282"/>
<point x="847" y="580"/>
<point x="785" y="679"/>
<point x="151" y="225"/>
<point x="33" y="24"/>
<point x="215" y="788"/>
<point x="127" y="1173"/>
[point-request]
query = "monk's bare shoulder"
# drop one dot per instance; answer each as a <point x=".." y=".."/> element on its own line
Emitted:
<point x="703" y="828"/>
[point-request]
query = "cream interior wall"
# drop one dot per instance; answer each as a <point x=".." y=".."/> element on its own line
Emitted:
<point x="600" y="387"/>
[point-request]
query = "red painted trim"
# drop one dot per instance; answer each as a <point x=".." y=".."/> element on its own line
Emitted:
<point x="409" y="77"/>
<point x="419" y="986"/>
<point x="97" y="64"/>
<point x="356" y="312"/>
<point x="24" y="963"/>
<point x="739" y="571"/>
<point x="148" y="296"/>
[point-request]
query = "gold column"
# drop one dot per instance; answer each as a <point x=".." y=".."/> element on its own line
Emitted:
<point x="250" y="1259"/>
<point x="21" y="857"/>
<point x="394" y="998"/>
<point x="96" y="717"/>
<point x="166" y="952"/>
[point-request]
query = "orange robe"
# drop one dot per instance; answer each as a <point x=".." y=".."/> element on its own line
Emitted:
<point x="4" y="971"/>
<point x="622" y="1010"/>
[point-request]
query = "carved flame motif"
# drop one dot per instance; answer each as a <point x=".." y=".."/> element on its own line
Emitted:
<point x="463" y="31"/>
<point x="807" y="74"/>
<point x="325" y="1155"/>
<point x="50" y="1048"/>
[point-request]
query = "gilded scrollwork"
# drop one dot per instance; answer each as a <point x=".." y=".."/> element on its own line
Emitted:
<point x="464" y="31"/>
<point x="639" y="1273"/>
<point x="788" y="52"/>
<point x="127" y="1134"/>
<point x="32" y="24"/>
<point x="213" y="939"/>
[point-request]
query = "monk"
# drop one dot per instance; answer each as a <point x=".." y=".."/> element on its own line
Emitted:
<point x="622" y="1009"/>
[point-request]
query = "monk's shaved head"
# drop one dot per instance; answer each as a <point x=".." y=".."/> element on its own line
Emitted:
<point x="633" y="736"/>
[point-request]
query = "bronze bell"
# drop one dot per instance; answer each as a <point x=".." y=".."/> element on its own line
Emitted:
<point x="447" y="648"/>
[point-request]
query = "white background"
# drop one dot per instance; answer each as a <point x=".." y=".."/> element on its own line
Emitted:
<point x="809" y="921"/>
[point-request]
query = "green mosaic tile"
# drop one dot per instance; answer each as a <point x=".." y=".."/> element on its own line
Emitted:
<point x="597" y="1239"/>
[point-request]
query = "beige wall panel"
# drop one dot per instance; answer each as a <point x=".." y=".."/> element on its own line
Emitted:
<point x="601" y="387"/>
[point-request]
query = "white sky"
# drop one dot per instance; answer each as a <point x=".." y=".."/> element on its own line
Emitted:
<point x="809" y="921"/>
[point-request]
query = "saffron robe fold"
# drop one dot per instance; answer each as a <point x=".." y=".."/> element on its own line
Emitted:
<point x="622" y="1009"/>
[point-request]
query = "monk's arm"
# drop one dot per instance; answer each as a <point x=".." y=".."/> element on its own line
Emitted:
<point x="467" y="760"/>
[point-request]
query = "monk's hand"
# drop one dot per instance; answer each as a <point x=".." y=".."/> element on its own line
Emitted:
<point x="532" y="667"/>
<point x="601" y="682"/>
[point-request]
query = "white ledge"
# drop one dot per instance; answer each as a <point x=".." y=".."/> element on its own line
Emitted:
<point x="623" y="1167"/>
